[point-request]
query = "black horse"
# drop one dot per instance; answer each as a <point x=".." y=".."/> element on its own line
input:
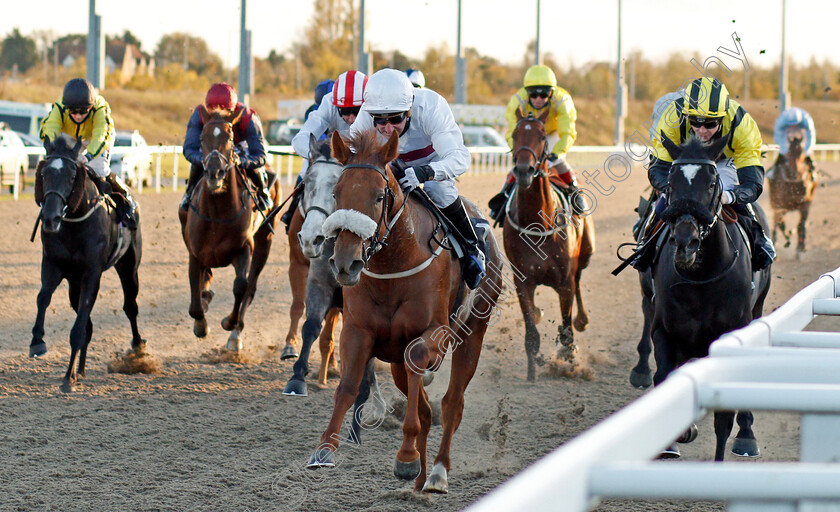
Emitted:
<point x="703" y="284"/>
<point x="81" y="237"/>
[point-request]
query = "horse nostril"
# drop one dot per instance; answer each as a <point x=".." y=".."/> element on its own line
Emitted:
<point x="300" y="238"/>
<point x="318" y="240"/>
<point x="333" y="267"/>
<point x="356" y="267"/>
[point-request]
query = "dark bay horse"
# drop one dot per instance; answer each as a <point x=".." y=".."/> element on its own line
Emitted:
<point x="792" y="187"/>
<point x="701" y="285"/>
<point x="400" y="292"/>
<point x="81" y="237"/>
<point x="543" y="241"/>
<point x="221" y="227"/>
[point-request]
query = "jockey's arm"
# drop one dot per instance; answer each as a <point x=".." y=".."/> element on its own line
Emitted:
<point x="192" y="140"/>
<point x="510" y="117"/>
<point x="103" y="129"/>
<point x="51" y="125"/>
<point x="254" y="158"/>
<point x="447" y="141"/>
<point x="564" y="108"/>
<point x="746" y="146"/>
<point x="658" y="174"/>
<point x="317" y="124"/>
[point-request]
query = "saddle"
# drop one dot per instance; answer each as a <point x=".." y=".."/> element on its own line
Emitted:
<point x="560" y="193"/>
<point x="452" y="236"/>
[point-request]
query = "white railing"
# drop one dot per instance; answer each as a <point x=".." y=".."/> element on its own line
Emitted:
<point x="485" y="160"/>
<point x="768" y="365"/>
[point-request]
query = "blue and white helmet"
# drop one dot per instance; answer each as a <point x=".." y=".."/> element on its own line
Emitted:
<point x="415" y="76"/>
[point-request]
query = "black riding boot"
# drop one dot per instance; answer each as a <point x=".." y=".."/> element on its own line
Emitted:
<point x="577" y="198"/>
<point x="126" y="209"/>
<point x="497" y="203"/>
<point x="196" y="171"/>
<point x="286" y="218"/>
<point x="763" y="252"/>
<point x="263" y="196"/>
<point x="472" y="263"/>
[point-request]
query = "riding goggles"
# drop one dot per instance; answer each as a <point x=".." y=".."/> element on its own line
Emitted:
<point x="80" y="111"/>
<point x="705" y="123"/>
<point x="394" y="119"/>
<point x="348" y="111"/>
<point x="539" y="93"/>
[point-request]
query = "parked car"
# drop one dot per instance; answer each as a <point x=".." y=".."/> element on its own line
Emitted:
<point x="280" y="132"/>
<point x="482" y="136"/>
<point x="32" y="141"/>
<point x="12" y="158"/>
<point x="135" y="163"/>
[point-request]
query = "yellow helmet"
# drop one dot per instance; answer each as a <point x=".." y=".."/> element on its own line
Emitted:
<point x="705" y="98"/>
<point x="540" y="76"/>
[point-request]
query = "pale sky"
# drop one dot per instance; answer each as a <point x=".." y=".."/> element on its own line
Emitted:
<point x="572" y="31"/>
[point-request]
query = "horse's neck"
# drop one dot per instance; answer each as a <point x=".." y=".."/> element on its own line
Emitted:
<point x="406" y="241"/>
<point x="718" y="248"/>
<point x="536" y="204"/>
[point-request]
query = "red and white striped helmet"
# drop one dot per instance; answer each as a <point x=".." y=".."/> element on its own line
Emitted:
<point x="349" y="89"/>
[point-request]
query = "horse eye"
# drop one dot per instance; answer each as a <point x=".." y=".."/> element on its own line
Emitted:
<point x="380" y="198"/>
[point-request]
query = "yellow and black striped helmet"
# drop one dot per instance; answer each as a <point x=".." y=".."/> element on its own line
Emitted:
<point x="705" y="98"/>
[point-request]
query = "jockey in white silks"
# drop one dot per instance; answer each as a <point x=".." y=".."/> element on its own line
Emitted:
<point x="431" y="151"/>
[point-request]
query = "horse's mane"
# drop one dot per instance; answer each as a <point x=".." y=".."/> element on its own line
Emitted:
<point x="366" y="144"/>
<point x="696" y="149"/>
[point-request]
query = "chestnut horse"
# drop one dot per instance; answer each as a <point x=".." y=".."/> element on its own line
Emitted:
<point x="221" y="227"/>
<point x="546" y="244"/>
<point x="400" y="291"/>
<point x="792" y="187"/>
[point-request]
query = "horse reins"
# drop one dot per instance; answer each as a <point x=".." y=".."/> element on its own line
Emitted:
<point x="92" y="206"/>
<point x="539" y="160"/>
<point x="316" y="207"/>
<point x="716" y="203"/>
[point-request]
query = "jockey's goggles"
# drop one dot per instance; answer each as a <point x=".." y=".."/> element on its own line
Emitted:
<point x="80" y="111"/>
<point x="348" y="111"/>
<point x="705" y="122"/>
<point x="394" y="119"/>
<point x="539" y="93"/>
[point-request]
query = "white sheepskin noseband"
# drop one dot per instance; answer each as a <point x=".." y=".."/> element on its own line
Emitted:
<point x="352" y="220"/>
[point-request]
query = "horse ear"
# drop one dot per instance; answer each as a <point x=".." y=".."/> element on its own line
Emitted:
<point x="544" y="115"/>
<point x="672" y="148"/>
<point x="313" y="146"/>
<point x="339" y="148"/>
<point x="77" y="147"/>
<point x="716" y="148"/>
<point x="202" y="112"/>
<point x="47" y="144"/>
<point x="391" y="149"/>
<point x="519" y="116"/>
<point x="234" y="117"/>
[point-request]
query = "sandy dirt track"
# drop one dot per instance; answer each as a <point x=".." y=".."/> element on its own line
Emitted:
<point x="220" y="436"/>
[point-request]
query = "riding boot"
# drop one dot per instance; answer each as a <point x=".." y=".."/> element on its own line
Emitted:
<point x="578" y="198"/>
<point x="126" y="207"/>
<point x="472" y="263"/>
<point x="763" y="251"/>
<point x="263" y="196"/>
<point x="196" y="171"/>
<point x="286" y="218"/>
<point x="497" y="203"/>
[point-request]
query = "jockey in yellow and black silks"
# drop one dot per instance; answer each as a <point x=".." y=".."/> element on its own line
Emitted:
<point x="84" y="114"/>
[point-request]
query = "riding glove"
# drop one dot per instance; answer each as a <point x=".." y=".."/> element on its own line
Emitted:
<point x="728" y="197"/>
<point x="241" y="149"/>
<point x="414" y="176"/>
<point x="398" y="167"/>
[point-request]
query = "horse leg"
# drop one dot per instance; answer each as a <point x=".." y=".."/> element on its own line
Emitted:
<point x="424" y="412"/>
<point x="87" y="291"/>
<point x="233" y="322"/>
<point x="298" y="271"/>
<point x="582" y="318"/>
<point x="723" y="427"/>
<point x="640" y="375"/>
<point x="326" y="343"/>
<point x="565" y="335"/>
<point x="262" y="247"/>
<point x="73" y="291"/>
<point x="664" y="355"/>
<point x="127" y="272"/>
<point x="804" y="210"/>
<point x="525" y="292"/>
<point x="745" y="444"/>
<point x="355" y="350"/>
<point x="50" y="279"/>
<point x="368" y="381"/>
<point x="780" y="221"/>
<point x="418" y="355"/>
<point x="317" y="307"/>
<point x="197" y="278"/>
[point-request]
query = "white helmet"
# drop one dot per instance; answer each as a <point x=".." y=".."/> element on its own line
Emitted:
<point x="387" y="91"/>
<point x="415" y="76"/>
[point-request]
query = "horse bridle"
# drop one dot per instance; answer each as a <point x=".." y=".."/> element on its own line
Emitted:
<point x="539" y="160"/>
<point x="62" y="196"/>
<point x="315" y="207"/>
<point x="375" y="242"/>
<point x="716" y="204"/>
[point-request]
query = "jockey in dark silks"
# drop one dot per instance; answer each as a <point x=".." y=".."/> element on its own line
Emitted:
<point x="247" y="137"/>
<point x="322" y="89"/>
<point x="706" y="110"/>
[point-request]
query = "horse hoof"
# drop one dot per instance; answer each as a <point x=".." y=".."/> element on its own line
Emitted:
<point x="322" y="458"/>
<point x="295" y="388"/>
<point x="234" y="342"/>
<point x="428" y="377"/>
<point x="226" y="325"/>
<point x="567" y="353"/>
<point x="672" y="452"/>
<point x="38" y="350"/>
<point x="743" y="447"/>
<point x="407" y="470"/>
<point x="66" y="387"/>
<point x="565" y="336"/>
<point x="139" y="348"/>
<point x="200" y="328"/>
<point x="689" y="435"/>
<point x="532" y="372"/>
<point x="640" y="380"/>
<point x="437" y="481"/>
<point x="289" y="352"/>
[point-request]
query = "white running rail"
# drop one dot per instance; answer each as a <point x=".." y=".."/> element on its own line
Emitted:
<point x="769" y="365"/>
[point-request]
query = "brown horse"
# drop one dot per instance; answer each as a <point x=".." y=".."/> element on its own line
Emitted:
<point x="792" y="187"/>
<point x="400" y="291"/>
<point x="547" y="245"/>
<point x="222" y="227"/>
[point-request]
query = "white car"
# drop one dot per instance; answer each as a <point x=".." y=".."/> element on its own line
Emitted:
<point x="482" y="136"/>
<point x="13" y="158"/>
<point x="131" y="158"/>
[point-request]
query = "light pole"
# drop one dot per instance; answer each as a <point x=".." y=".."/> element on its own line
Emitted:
<point x="460" y="66"/>
<point x="784" y="94"/>
<point x="537" y="43"/>
<point x="620" y="89"/>
<point x="95" y="49"/>
<point x="246" y="76"/>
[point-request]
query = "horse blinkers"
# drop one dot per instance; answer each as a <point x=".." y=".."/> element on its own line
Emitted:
<point x="692" y="219"/>
<point x="58" y="185"/>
